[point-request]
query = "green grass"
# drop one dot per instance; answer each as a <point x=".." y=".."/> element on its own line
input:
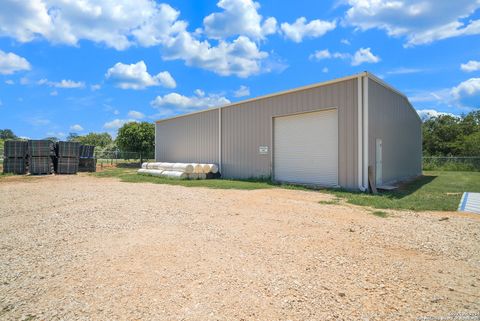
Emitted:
<point x="380" y="214"/>
<point x="131" y="176"/>
<point x="436" y="190"/>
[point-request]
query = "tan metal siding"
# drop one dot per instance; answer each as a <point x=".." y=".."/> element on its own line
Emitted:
<point x="247" y="126"/>
<point x="392" y="119"/>
<point x="188" y="139"/>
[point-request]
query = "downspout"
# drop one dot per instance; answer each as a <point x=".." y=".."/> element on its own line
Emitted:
<point x="220" y="140"/>
<point x="155" y="144"/>
<point x="365" y="131"/>
<point x="360" y="134"/>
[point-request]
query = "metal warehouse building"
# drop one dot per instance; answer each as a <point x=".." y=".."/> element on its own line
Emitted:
<point x="326" y="134"/>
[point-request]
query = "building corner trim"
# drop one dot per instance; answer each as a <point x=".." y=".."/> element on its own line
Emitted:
<point x="365" y="132"/>
<point x="220" y="140"/>
<point x="360" y="133"/>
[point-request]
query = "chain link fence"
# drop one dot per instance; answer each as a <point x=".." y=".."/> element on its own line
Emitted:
<point x="452" y="163"/>
<point x="121" y="158"/>
<point x="111" y="158"/>
<point x="134" y="159"/>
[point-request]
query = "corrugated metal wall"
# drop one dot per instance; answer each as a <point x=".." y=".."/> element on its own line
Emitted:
<point x="391" y="119"/>
<point x="188" y="139"/>
<point x="247" y="126"/>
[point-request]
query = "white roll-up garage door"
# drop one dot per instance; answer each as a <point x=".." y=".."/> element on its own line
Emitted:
<point x="305" y="148"/>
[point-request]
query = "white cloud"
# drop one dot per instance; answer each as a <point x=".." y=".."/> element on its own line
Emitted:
<point x="459" y="96"/>
<point x="241" y="57"/>
<point x="361" y="56"/>
<point x="345" y="42"/>
<point x="468" y="88"/>
<point x="242" y="91"/>
<point x="64" y="83"/>
<point x="426" y="114"/>
<point x="95" y="87"/>
<point x="38" y="121"/>
<point x="364" y="55"/>
<point x="123" y="23"/>
<point x="54" y="93"/>
<point x="11" y="63"/>
<point x="184" y="103"/>
<point x="470" y="66"/>
<point x="326" y="54"/>
<point x="430" y="96"/>
<point x="321" y="54"/>
<point x="135" y="114"/>
<point x="301" y="29"/>
<point x="117" y="24"/>
<point x="239" y="17"/>
<point x="76" y="128"/>
<point x="421" y="22"/>
<point x="199" y="92"/>
<point x="403" y="71"/>
<point x="9" y="82"/>
<point x="60" y="135"/>
<point x="117" y="123"/>
<point x="136" y="76"/>
<point x="325" y="70"/>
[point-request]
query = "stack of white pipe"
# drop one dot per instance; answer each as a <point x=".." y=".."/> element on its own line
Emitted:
<point x="178" y="170"/>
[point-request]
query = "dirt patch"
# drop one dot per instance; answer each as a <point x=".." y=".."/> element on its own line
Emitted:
<point x="78" y="247"/>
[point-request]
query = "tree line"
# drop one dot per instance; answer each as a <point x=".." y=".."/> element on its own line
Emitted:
<point x="442" y="136"/>
<point x="447" y="135"/>
<point x="137" y="137"/>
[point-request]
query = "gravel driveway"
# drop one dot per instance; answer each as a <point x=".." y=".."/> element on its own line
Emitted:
<point x="80" y="247"/>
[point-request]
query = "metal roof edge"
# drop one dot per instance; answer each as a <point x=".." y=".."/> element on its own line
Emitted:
<point x="384" y="84"/>
<point x="284" y="92"/>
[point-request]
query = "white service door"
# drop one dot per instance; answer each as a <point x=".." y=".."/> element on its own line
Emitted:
<point x="378" y="162"/>
<point x="305" y="148"/>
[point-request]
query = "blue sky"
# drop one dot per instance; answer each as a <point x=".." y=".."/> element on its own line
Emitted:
<point x="92" y="65"/>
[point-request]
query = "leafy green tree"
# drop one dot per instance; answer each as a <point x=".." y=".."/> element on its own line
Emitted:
<point x="72" y="137"/>
<point x="52" y="138"/>
<point x="452" y="136"/>
<point x="471" y="145"/>
<point x="97" y="139"/>
<point x="137" y="137"/>
<point x="7" y="134"/>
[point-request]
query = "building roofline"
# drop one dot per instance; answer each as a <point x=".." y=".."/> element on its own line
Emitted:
<point x="284" y="92"/>
<point x="384" y="84"/>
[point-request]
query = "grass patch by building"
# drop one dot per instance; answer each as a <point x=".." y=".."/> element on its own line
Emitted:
<point x="436" y="190"/>
<point x="131" y="176"/>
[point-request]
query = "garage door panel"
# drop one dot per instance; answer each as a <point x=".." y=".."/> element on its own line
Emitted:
<point x="306" y="148"/>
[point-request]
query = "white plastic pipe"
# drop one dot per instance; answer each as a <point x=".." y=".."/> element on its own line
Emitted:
<point x="193" y="176"/>
<point x="202" y="176"/>
<point x="197" y="168"/>
<point x="206" y="168"/>
<point x="213" y="168"/>
<point x="153" y="172"/>
<point x="182" y="167"/>
<point x="175" y="174"/>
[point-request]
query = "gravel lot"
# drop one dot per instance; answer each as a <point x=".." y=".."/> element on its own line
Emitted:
<point x="79" y="247"/>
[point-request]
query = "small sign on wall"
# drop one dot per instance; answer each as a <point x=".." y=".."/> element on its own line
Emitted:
<point x="263" y="150"/>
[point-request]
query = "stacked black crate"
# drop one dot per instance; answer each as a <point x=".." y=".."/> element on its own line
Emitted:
<point x="15" y="157"/>
<point x="40" y="157"/>
<point x="87" y="162"/>
<point x="67" y="157"/>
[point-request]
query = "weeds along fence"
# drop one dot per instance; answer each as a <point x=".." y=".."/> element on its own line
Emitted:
<point x="468" y="164"/>
<point x="133" y="159"/>
<point x="121" y="158"/>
